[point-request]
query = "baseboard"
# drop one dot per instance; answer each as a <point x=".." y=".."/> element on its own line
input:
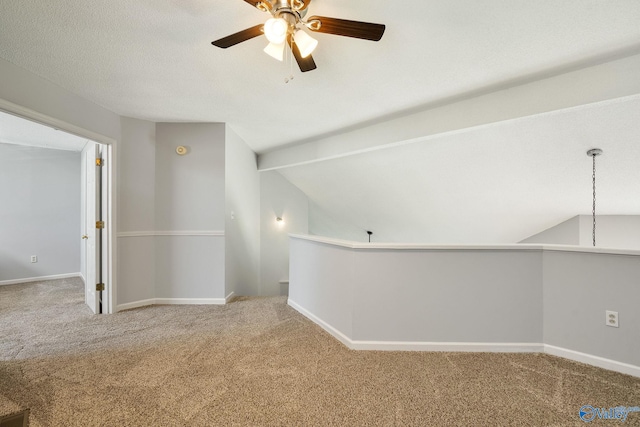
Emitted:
<point x="39" y="279"/>
<point x="175" y="301"/>
<point x="324" y="325"/>
<point x="135" y="304"/>
<point x="190" y="301"/>
<point x="477" y="347"/>
<point x="171" y="301"/>
<point x="577" y="356"/>
<point x="600" y="362"/>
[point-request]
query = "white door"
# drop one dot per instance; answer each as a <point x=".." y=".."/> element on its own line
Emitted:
<point x="92" y="234"/>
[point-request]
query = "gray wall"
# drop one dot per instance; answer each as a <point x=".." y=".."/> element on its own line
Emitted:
<point x="279" y="198"/>
<point x="40" y="215"/>
<point x="136" y="211"/>
<point x="578" y="289"/>
<point x="190" y="189"/>
<point x="242" y="223"/>
<point x="420" y="296"/>
<point x="413" y="295"/>
<point x="447" y="296"/>
<point x="189" y="196"/>
<point x="321" y="281"/>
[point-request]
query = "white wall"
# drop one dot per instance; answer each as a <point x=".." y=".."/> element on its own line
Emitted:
<point x="27" y="90"/>
<point x="189" y="203"/>
<point x="612" y="231"/>
<point x="279" y="199"/>
<point x="322" y="223"/>
<point x="242" y="222"/>
<point x="565" y="233"/>
<point x="40" y="215"/>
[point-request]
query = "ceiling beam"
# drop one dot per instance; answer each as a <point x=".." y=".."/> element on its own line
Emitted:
<point x="569" y="89"/>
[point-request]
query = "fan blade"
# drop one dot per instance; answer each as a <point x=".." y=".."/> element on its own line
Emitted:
<point x="344" y="27"/>
<point x="305" y="64"/>
<point x="253" y="3"/>
<point x="239" y="37"/>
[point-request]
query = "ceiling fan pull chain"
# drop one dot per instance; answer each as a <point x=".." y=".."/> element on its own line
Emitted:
<point x="289" y="59"/>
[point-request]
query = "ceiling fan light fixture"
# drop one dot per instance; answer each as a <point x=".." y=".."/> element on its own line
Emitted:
<point x="306" y="43"/>
<point x="275" y="51"/>
<point x="276" y="30"/>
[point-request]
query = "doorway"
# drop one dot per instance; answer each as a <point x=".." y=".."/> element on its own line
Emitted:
<point x="94" y="236"/>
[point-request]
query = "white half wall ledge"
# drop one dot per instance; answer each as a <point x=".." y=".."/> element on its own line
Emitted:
<point x="443" y="248"/>
<point x="40" y="279"/>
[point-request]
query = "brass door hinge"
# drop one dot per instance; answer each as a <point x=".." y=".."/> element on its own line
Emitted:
<point x="100" y="224"/>
<point x="99" y="286"/>
<point x="99" y="162"/>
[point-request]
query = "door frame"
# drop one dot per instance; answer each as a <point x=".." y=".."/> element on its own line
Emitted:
<point x="109" y="244"/>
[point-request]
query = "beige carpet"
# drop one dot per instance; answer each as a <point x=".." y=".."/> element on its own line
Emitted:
<point x="258" y="362"/>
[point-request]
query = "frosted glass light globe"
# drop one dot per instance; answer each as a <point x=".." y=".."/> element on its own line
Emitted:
<point x="276" y="30"/>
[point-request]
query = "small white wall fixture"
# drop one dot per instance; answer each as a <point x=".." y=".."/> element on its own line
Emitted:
<point x="501" y="298"/>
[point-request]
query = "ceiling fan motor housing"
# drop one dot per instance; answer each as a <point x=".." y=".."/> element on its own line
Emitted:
<point x="283" y="9"/>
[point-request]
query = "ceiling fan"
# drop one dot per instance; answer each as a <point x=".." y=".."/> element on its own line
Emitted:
<point x="286" y="27"/>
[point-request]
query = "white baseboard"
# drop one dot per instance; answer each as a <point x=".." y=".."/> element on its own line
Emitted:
<point x="478" y="347"/>
<point x="135" y="304"/>
<point x="172" y="301"/>
<point x="589" y="359"/>
<point x="577" y="356"/>
<point x="39" y="279"/>
<point x="229" y="297"/>
<point x="190" y="301"/>
<point x="324" y="325"/>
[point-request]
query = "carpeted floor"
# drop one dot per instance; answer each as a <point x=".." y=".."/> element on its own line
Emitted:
<point x="258" y="362"/>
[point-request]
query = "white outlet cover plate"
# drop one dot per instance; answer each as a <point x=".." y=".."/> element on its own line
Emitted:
<point x="612" y="319"/>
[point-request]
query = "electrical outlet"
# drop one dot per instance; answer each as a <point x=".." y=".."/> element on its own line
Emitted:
<point x="612" y="319"/>
<point x="34" y="258"/>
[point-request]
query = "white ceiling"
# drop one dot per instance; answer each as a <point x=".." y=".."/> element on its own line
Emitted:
<point x="152" y="59"/>
<point x="500" y="183"/>
<point x="18" y="131"/>
<point x="495" y="184"/>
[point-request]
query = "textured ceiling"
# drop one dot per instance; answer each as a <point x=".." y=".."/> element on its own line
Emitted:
<point x="152" y="59"/>
<point x="496" y="184"/>
<point x="18" y="131"/>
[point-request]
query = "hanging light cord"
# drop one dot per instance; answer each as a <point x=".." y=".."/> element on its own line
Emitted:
<point x="594" y="199"/>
